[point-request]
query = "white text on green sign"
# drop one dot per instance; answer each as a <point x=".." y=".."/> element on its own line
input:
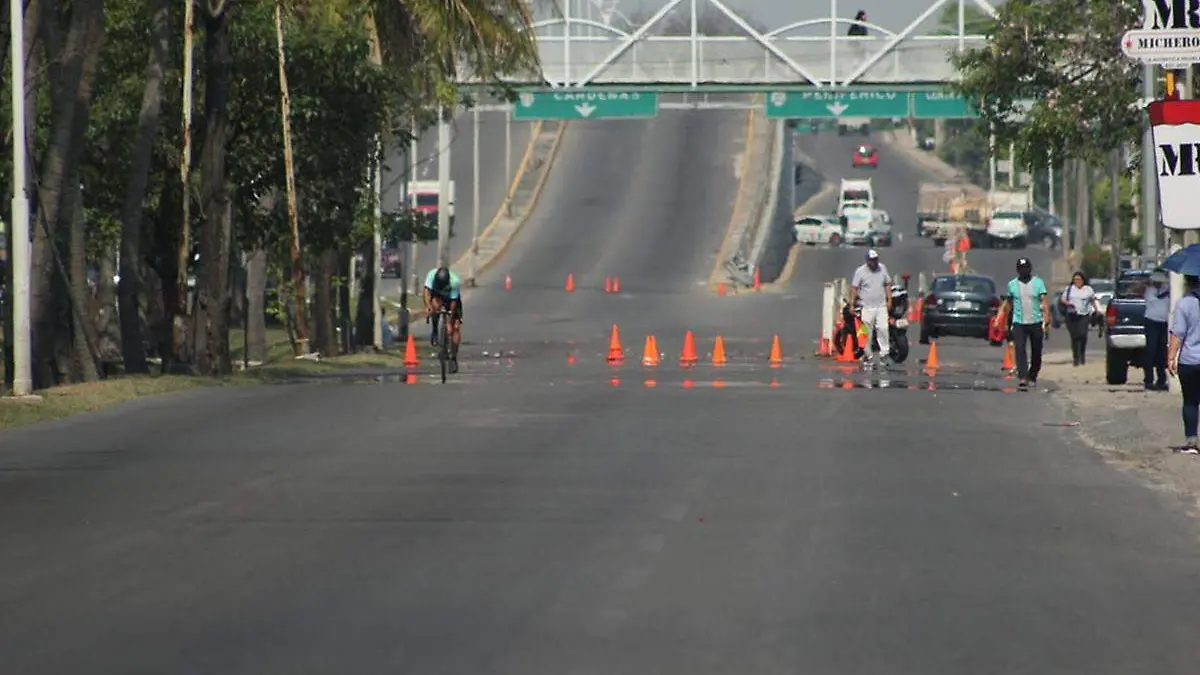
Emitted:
<point x="585" y="104"/>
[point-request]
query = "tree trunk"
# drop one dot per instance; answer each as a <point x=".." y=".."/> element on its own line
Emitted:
<point x="180" y="350"/>
<point x="169" y="303"/>
<point x="325" y="340"/>
<point x="364" y="313"/>
<point x="345" y="324"/>
<point x="71" y="97"/>
<point x="130" y="287"/>
<point x="1081" y="208"/>
<point x="212" y="283"/>
<point x="256" y="298"/>
<point x="82" y="338"/>
<point x="285" y="107"/>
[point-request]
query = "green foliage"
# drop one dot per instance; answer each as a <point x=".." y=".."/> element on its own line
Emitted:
<point x="975" y="20"/>
<point x="1063" y="55"/>
<point x="966" y="147"/>
<point x="1097" y="262"/>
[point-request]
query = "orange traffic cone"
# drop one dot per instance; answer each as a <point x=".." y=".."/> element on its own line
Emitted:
<point x="650" y="352"/>
<point x="932" y="362"/>
<point x="720" y="288"/>
<point x="914" y="314"/>
<point x="410" y="352"/>
<point x="507" y="282"/>
<point x="616" y="284"/>
<point x="824" y="348"/>
<point x="615" y="353"/>
<point x="849" y="345"/>
<point x="1010" y="357"/>
<point x="776" y="353"/>
<point x="608" y="284"/>
<point x="688" y="356"/>
<point x="718" y="356"/>
<point x="570" y="283"/>
<point x="756" y="279"/>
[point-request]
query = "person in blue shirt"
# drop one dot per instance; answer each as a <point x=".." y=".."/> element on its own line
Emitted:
<point x="1028" y="308"/>
<point x="1158" y="304"/>
<point x="1183" y="359"/>
<point x="441" y="287"/>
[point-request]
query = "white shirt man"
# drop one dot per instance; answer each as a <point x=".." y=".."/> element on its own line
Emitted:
<point x="872" y="286"/>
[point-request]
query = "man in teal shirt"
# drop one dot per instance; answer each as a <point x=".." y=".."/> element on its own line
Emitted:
<point x="442" y="288"/>
<point x="1029" y="310"/>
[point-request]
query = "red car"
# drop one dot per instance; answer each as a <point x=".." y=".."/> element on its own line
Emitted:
<point x="866" y="155"/>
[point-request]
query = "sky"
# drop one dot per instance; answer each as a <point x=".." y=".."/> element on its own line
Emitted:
<point x="892" y="14"/>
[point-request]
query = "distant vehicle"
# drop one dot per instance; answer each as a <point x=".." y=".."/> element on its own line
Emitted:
<point x="864" y="226"/>
<point x="865" y="156"/>
<point x="860" y="124"/>
<point x="960" y="305"/>
<point x="1044" y="228"/>
<point x="423" y="197"/>
<point x="858" y="192"/>
<point x="1006" y="226"/>
<point x="1125" y="329"/>
<point x="812" y="230"/>
<point x="881" y="229"/>
<point x="941" y="206"/>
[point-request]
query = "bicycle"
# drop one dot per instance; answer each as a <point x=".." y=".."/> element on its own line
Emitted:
<point x="446" y="351"/>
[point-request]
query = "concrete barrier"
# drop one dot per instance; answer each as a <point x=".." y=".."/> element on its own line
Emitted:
<point x="828" y="311"/>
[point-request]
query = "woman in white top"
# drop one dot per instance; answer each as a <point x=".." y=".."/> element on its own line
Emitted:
<point x="1079" y="301"/>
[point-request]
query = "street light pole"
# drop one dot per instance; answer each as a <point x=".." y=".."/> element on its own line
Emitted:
<point x="18" y="236"/>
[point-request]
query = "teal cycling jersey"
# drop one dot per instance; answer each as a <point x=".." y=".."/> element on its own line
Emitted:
<point x="450" y="293"/>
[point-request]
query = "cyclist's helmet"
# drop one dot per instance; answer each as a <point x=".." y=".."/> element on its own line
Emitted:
<point x="441" y="278"/>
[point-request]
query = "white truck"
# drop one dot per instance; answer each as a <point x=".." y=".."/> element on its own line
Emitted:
<point x="423" y="198"/>
<point x="855" y="193"/>
<point x="1006" y="226"/>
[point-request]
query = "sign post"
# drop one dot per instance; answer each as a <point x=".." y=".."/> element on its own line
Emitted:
<point x="1169" y="37"/>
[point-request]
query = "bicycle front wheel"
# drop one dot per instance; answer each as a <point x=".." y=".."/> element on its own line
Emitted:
<point x="444" y="345"/>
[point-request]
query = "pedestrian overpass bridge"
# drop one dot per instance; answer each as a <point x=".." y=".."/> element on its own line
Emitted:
<point x="581" y="51"/>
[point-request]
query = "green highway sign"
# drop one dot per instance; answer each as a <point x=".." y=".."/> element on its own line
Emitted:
<point x="936" y="105"/>
<point x="819" y="103"/>
<point x="584" y="104"/>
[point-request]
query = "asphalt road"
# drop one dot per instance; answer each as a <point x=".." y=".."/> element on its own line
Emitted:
<point x="493" y="184"/>
<point x="545" y="512"/>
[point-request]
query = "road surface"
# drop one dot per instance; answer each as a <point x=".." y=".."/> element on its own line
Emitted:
<point x="546" y="513"/>
<point x="493" y="184"/>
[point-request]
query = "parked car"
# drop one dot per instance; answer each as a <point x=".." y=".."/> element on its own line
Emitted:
<point x="1125" y="330"/>
<point x="959" y="305"/>
<point x="1044" y="228"/>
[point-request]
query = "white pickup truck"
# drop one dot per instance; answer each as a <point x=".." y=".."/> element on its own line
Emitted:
<point x="1006" y="227"/>
<point x="858" y="193"/>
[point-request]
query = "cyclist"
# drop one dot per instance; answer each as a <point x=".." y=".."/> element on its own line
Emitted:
<point x="441" y="287"/>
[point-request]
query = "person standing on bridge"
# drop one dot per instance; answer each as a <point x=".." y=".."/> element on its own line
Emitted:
<point x="859" y="27"/>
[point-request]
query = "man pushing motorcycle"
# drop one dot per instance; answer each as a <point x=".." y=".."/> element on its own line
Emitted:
<point x="871" y="286"/>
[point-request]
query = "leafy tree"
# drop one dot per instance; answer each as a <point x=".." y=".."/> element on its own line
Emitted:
<point x="1063" y="55"/>
<point x="975" y="20"/>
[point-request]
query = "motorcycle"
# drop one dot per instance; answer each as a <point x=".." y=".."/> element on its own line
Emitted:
<point x="897" y="326"/>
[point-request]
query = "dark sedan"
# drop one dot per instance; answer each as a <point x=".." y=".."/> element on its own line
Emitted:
<point x="959" y="305"/>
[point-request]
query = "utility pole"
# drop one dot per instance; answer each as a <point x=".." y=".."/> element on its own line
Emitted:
<point x="377" y="248"/>
<point x="474" y="194"/>
<point x="18" y="235"/>
<point x="443" y="160"/>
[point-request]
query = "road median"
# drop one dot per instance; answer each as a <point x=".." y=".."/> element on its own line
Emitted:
<point x="754" y="186"/>
<point x="1131" y="428"/>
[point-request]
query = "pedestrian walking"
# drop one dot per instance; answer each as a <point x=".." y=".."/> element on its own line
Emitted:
<point x="1029" y="309"/>
<point x="1183" y="358"/>
<point x="1080" y="302"/>
<point x="1158" y="304"/>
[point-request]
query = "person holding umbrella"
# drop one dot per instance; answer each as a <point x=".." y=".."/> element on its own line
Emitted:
<point x="1183" y="349"/>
